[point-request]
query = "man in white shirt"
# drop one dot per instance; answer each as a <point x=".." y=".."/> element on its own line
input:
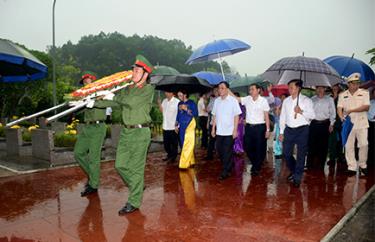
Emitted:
<point x="225" y="120"/>
<point x="320" y="128"/>
<point x="257" y="129"/>
<point x="296" y="114"/>
<point x="203" y="118"/>
<point x="169" y="108"/>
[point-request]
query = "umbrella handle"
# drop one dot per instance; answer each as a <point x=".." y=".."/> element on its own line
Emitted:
<point x="295" y="114"/>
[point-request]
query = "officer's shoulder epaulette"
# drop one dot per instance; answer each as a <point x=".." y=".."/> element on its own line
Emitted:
<point x="344" y="94"/>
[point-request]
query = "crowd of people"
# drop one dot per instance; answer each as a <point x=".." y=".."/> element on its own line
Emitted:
<point x="306" y="132"/>
<point x="231" y="125"/>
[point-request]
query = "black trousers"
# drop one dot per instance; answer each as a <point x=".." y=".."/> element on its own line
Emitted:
<point x="224" y="147"/>
<point x="318" y="143"/>
<point x="255" y="144"/>
<point x="371" y="145"/>
<point x="296" y="136"/>
<point x="211" y="144"/>
<point x="203" y="124"/>
<point x="170" y="140"/>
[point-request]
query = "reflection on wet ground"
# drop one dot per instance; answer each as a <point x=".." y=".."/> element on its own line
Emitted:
<point x="178" y="205"/>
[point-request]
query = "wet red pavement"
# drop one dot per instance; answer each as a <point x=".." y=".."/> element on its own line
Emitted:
<point x="177" y="205"/>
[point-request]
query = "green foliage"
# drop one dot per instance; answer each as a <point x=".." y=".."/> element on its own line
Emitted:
<point x="371" y="52"/>
<point x="156" y="115"/>
<point x="26" y="135"/>
<point x="65" y="140"/>
<point x="108" y="131"/>
<point x="25" y="124"/>
<point x="116" y="115"/>
<point x="104" y="54"/>
<point x="2" y="131"/>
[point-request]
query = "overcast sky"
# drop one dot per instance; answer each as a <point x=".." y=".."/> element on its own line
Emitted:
<point x="274" y="28"/>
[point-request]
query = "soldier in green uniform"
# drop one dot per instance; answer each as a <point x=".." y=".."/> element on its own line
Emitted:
<point x="87" y="150"/>
<point x="135" y="102"/>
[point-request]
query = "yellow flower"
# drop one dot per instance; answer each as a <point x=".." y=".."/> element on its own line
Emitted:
<point x="15" y="127"/>
<point x="69" y="126"/>
<point x="73" y="132"/>
<point x="33" y="127"/>
<point x="66" y="132"/>
<point x="1" y="125"/>
<point x="15" y="117"/>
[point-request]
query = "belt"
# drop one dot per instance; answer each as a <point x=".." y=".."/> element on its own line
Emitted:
<point x="95" y="122"/>
<point x="299" y="127"/>
<point x="254" y="125"/>
<point x="137" y="126"/>
<point x="320" y="121"/>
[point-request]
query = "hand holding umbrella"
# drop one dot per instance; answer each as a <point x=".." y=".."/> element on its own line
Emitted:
<point x="297" y="110"/>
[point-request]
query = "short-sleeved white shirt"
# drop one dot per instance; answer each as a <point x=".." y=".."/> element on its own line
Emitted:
<point x="202" y="108"/>
<point x="255" y="109"/>
<point x="170" y="108"/>
<point x="224" y="111"/>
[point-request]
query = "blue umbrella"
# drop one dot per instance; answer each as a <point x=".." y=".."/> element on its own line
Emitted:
<point x="216" y="50"/>
<point x="345" y="66"/>
<point x="347" y="126"/>
<point x="212" y="77"/>
<point x="19" y="65"/>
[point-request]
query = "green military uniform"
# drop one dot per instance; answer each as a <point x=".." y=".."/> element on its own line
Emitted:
<point x="87" y="150"/>
<point x="132" y="148"/>
<point x="135" y="137"/>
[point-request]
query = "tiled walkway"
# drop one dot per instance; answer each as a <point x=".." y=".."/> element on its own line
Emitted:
<point x="189" y="205"/>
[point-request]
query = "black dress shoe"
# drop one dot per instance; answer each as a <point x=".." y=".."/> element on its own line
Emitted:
<point x="364" y="171"/>
<point x="290" y="177"/>
<point x="88" y="190"/>
<point x="351" y="173"/>
<point x="128" y="208"/>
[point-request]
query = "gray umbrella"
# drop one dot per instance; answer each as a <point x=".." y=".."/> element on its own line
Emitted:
<point x="312" y="71"/>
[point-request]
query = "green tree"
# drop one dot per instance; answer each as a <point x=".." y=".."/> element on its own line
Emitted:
<point x="106" y="54"/>
<point x="371" y="52"/>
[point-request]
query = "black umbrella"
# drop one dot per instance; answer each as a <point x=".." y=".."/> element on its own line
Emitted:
<point x="19" y="65"/>
<point x="312" y="71"/>
<point x="189" y="83"/>
<point x="160" y="72"/>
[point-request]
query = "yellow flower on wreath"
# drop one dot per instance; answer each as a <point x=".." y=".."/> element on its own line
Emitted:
<point x="15" y="127"/>
<point x="33" y="127"/>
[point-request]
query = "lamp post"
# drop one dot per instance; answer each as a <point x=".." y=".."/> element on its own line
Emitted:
<point x="53" y="56"/>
